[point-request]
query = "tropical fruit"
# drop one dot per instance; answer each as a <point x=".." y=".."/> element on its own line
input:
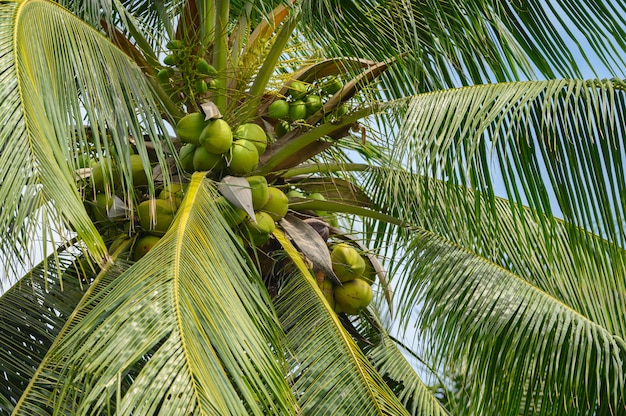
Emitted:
<point x="254" y="133"/>
<point x="352" y="297"/>
<point x="100" y="207"/>
<point x="297" y="110"/>
<point x="259" y="190"/>
<point x="277" y="204"/>
<point x="233" y="215"/>
<point x="190" y="127"/>
<point x="331" y="86"/>
<point x="143" y="245"/>
<point x="100" y="171"/>
<point x="244" y="157"/>
<point x="164" y="74"/>
<point x="282" y="128"/>
<point x="186" y="157"/>
<point x="139" y="174"/>
<point x="217" y="137"/>
<point x="201" y="87"/>
<point x="203" y="67"/>
<point x="173" y="192"/>
<point x="297" y="90"/>
<point x="294" y="193"/>
<point x="164" y="211"/>
<point x="170" y="59"/>
<point x="347" y="262"/>
<point x="204" y="160"/>
<point x="313" y="103"/>
<point x="328" y="289"/>
<point x="279" y="109"/>
<point x="174" y="44"/>
<point x="261" y="230"/>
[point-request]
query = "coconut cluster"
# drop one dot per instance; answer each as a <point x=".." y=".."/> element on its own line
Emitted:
<point x="186" y="73"/>
<point x="356" y="275"/>
<point x="302" y="101"/>
<point x="212" y="145"/>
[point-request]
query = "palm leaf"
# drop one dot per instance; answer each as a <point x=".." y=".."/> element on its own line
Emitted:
<point x="187" y="329"/>
<point x="33" y="312"/>
<point x="331" y="374"/>
<point x="516" y="338"/>
<point x="402" y="377"/>
<point x="68" y="75"/>
<point x="463" y="43"/>
<point x="579" y="274"/>
<point x="553" y="141"/>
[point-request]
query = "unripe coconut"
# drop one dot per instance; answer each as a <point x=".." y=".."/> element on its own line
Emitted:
<point x="173" y="192"/>
<point x="313" y="104"/>
<point x="294" y="193"/>
<point x="143" y="245"/>
<point x="204" y="160"/>
<point x="201" y="87"/>
<point x="297" y="110"/>
<point x="254" y="133"/>
<point x="297" y="90"/>
<point x="190" y="127"/>
<point x="233" y="215"/>
<point x="244" y="157"/>
<point x="279" y="109"/>
<point x="331" y="86"/>
<point x="353" y="297"/>
<point x="164" y="74"/>
<point x="174" y="44"/>
<point x="347" y="262"/>
<point x="170" y="59"/>
<point x="139" y="174"/>
<point x="277" y="203"/>
<point x="100" y="174"/>
<point x="164" y="215"/>
<point x="259" y="190"/>
<point x="186" y="157"/>
<point x="261" y="230"/>
<point x="203" y="67"/>
<point x="328" y="290"/>
<point x="217" y="137"/>
<point x="282" y="128"/>
<point x="100" y="207"/>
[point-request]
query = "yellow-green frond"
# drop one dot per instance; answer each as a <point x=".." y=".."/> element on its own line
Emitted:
<point x="187" y="329"/>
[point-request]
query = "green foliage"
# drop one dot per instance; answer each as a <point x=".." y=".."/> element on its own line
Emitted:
<point x="423" y="137"/>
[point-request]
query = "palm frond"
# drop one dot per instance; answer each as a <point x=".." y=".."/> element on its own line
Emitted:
<point x="516" y="339"/>
<point x="331" y="374"/>
<point x="67" y="76"/>
<point x="187" y="329"/>
<point x="402" y="377"/>
<point x="580" y="274"/>
<point x="462" y="43"/>
<point x="33" y="312"/>
<point x="557" y="145"/>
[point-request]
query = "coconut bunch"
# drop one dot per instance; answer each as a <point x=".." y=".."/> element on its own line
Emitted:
<point x="244" y="133"/>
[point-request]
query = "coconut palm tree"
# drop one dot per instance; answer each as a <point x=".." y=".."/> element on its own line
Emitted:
<point x="200" y="199"/>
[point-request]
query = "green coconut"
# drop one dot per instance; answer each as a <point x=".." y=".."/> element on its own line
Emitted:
<point x="277" y="204"/>
<point x="217" y="137"/>
<point x="164" y="212"/>
<point x="352" y="297"/>
<point x="347" y="262"/>
<point x="190" y="127"/>
<point x="259" y="190"/>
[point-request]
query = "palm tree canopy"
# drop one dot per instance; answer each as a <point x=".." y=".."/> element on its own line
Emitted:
<point x="463" y="147"/>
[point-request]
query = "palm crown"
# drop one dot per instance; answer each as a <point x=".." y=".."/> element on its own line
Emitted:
<point x="233" y="187"/>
